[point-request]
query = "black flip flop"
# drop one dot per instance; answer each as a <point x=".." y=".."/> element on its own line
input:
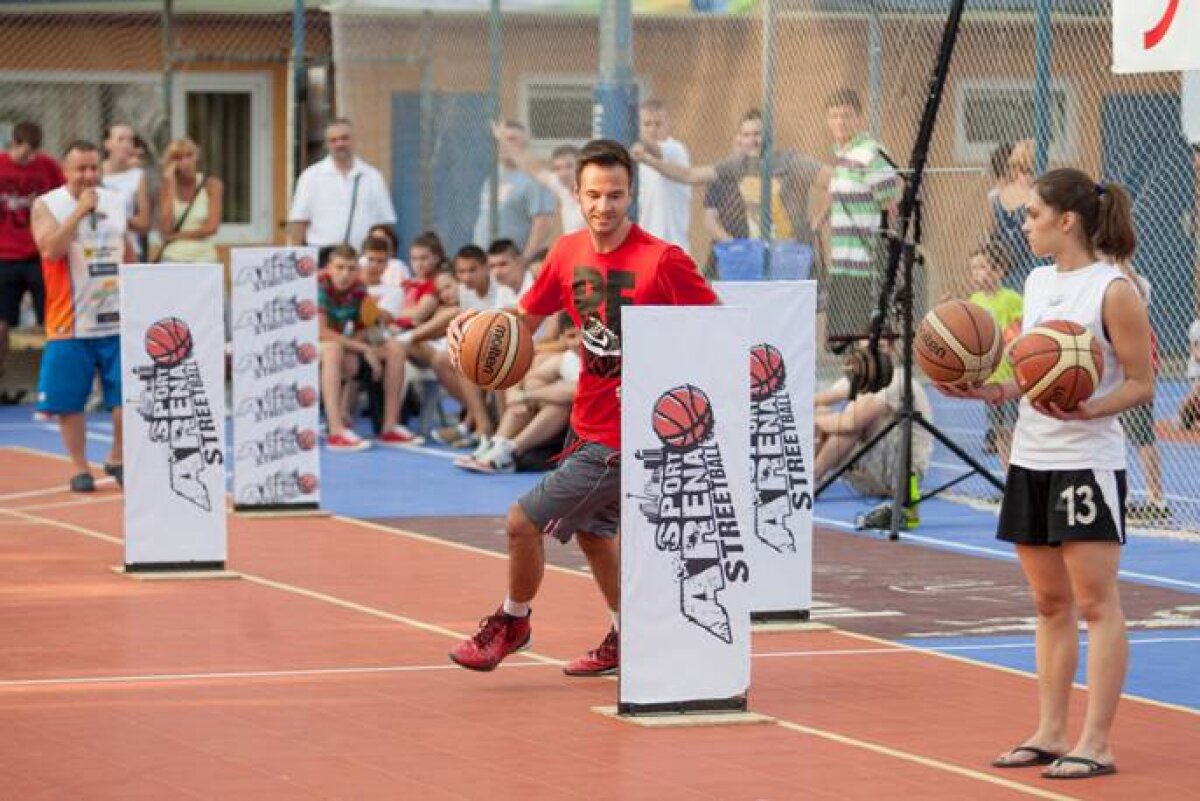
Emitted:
<point x="1040" y="757"/>
<point x="1094" y="768"/>
<point x="117" y="471"/>
<point x="83" y="482"/>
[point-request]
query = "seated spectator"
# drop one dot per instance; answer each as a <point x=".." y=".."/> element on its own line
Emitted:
<point x="346" y="310"/>
<point x="479" y="292"/>
<point x="508" y="270"/>
<point x="396" y="272"/>
<point x="988" y="265"/>
<point x="840" y="433"/>
<point x="189" y="207"/>
<point x="1189" y="410"/>
<point x="426" y="257"/>
<point x="536" y="413"/>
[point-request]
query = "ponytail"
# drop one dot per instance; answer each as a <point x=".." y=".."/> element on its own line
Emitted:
<point x="1105" y="211"/>
<point x="1114" y="224"/>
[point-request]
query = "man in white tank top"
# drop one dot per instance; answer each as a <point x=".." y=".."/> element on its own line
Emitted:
<point x="80" y="230"/>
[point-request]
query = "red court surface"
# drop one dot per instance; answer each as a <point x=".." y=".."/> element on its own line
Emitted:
<point x="322" y="673"/>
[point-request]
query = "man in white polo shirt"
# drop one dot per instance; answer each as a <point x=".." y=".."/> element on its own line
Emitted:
<point x="340" y="197"/>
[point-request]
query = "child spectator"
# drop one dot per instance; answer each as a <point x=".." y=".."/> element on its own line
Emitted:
<point x="426" y="256"/>
<point x="346" y="310"/>
<point x="479" y="292"/>
<point x="1138" y="424"/>
<point x="395" y="272"/>
<point x="988" y="265"/>
<point x="536" y="413"/>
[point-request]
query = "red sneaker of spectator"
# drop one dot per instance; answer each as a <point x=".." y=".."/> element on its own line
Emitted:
<point x="604" y="661"/>
<point x="397" y="437"/>
<point x="346" y="441"/>
<point x="499" y="635"/>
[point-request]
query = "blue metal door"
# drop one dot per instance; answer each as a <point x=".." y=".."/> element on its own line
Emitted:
<point x="460" y="152"/>
<point x="1145" y="151"/>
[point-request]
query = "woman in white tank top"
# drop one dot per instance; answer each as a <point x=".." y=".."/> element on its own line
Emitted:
<point x="1064" y="498"/>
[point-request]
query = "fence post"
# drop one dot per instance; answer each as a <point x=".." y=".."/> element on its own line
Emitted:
<point x="495" y="51"/>
<point x="168" y="48"/>
<point x="1041" y="105"/>
<point x="299" y="100"/>
<point x="616" y="95"/>
<point x="768" y="133"/>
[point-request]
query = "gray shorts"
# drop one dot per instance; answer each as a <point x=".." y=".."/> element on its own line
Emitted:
<point x="581" y="495"/>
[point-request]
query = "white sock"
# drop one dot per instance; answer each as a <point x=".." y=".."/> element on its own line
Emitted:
<point x="616" y="619"/>
<point x="515" y="609"/>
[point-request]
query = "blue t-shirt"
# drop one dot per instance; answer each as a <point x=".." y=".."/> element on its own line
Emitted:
<point x="521" y="199"/>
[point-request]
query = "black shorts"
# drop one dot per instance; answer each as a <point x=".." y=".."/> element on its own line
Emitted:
<point x="583" y="494"/>
<point x="1050" y="507"/>
<point x="1138" y="424"/>
<point x="17" y="278"/>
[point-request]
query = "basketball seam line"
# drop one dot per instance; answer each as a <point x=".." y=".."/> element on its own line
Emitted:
<point x="972" y="364"/>
<point x="1067" y="343"/>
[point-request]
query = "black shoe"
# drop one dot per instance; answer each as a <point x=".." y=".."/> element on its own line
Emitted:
<point x="83" y="482"/>
<point x="117" y="471"/>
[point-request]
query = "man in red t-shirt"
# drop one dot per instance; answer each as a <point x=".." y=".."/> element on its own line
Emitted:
<point x="591" y="273"/>
<point x="24" y="175"/>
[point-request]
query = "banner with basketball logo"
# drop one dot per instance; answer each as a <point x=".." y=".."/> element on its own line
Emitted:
<point x="1155" y="36"/>
<point x="782" y="361"/>
<point x="685" y="568"/>
<point x="275" y="379"/>
<point x="173" y="390"/>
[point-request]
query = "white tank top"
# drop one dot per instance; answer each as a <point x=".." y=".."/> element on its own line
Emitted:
<point x="125" y="184"/>
<point x="1044" y="443"/>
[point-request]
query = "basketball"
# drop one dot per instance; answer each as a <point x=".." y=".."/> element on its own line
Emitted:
<point x="306" y="309"/>
<point x="766" y="371"/>
<point x="496" y="350"/>
<point x="306" y="439"/>
<point x="306" y="396"/>
<point x="306" y="266"/>
<point x="306" y="352"/>
<point x="958" y="343"/>
<point x="683" y="417"/>
<point x="307" y="483"/>
<point x="1057" y="362"/>
<point x="169" y="341"/>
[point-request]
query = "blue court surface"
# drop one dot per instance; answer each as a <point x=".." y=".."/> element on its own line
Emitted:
<point x="420" y="482"/>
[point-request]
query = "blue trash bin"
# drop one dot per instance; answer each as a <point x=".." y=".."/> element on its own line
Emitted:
<point x="742" y="260"/>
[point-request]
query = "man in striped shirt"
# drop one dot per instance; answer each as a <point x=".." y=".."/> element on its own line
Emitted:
<point x="862" y="185"/>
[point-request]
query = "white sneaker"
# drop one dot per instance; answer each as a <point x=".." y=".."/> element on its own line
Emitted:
<point x="500" y="458"/>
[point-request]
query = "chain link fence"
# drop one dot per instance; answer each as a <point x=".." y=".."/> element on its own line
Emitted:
<point x="1029" y="87"/>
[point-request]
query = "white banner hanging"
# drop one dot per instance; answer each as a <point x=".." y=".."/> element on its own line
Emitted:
<point x="685" y="575"/>
<point x="173" y="385"/>
<point x="275" y="379"/>
<point x="782" y="357"/>
<point x="1155" y="36"/>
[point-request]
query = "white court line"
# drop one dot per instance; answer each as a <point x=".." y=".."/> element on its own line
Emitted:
<point x="38" y="493"/>
<point x="354" y="671"/>
<point x="1007" y="555"/>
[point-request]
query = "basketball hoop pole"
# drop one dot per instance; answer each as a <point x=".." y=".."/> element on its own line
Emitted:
<point x="902" y="252"/>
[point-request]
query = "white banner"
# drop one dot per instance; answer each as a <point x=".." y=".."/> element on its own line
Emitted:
<point x="685" y="575"/>
<point x="173" y="385"/>
<point x="782" y="357"/>
<point x="276" y="376"/>
<point x="1155" y="36"/>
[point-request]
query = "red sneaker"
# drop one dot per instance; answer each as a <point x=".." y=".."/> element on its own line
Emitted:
<point x="499" y="635"/>
<point x="604" y="661"/>
<point x="397" y="437"/>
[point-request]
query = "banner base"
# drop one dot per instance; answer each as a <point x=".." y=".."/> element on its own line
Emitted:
<point x="705" y="705"/>
<point x="782" y="626"/>
<point x="674" y="719"/>
<point x="781" y="616"/>
<point x="176" y="571"/>
<point x="281" y="510"/>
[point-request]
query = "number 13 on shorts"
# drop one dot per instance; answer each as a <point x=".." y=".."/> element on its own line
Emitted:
<point x="1087" y="504"/>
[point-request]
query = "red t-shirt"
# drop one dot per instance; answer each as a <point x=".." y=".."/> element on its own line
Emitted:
<point x="414" y="290"/>
<point x="20" y="185"/>
<point x="591" y="286"/>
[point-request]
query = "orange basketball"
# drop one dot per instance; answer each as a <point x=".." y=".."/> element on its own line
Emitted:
<point x="958" y="343"/>
<point x="1057" y="362"/>
<point x="683" y="417"/>
<point x="496" y="350"/>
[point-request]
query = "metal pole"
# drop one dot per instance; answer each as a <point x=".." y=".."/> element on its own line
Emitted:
<point x="875" y="73"/>
<point x="766" y="157"/>
<point x="168" y="43"/>
<point x="1044" y="44"/>
<point x="299" y="100"/>
<point x="495" y="52"/>
<point x="427" y="121"/>
<point x="616" y="94"/>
